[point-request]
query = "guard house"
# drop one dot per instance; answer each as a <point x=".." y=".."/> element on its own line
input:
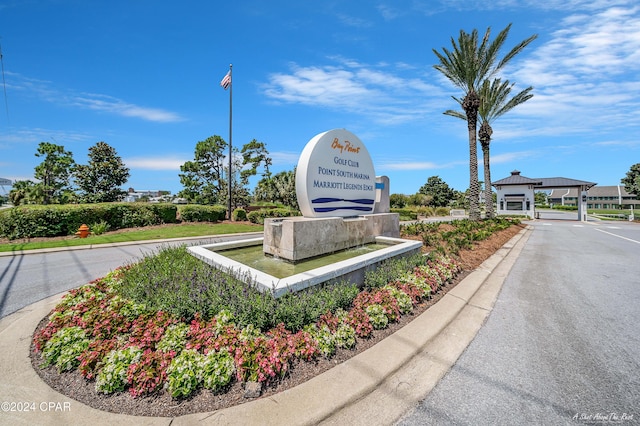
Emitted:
<point x="515" y="194"/>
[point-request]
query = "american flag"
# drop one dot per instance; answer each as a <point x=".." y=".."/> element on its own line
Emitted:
<point x="226" y="81"/>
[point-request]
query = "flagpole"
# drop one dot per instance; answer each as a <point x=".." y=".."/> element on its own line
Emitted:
<point x="230" y="134"/>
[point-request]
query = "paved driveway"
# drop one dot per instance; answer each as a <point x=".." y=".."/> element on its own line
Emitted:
<point x="562" y="344"/>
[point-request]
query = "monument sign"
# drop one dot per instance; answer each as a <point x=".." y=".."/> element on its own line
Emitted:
<point x="335" y="176"/>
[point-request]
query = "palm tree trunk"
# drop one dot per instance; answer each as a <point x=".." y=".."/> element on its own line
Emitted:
<point x="470" y="104"/>
<point x="485" y="140"/>
<point x="488" y="196"/>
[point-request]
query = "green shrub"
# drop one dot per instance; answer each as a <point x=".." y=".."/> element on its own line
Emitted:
<point x="99" y="228"/>
<point x="568" y="208"/>
<point x="63" y="349"/>
<point x="258" y="216"/>
<point x="174" y="338"/>
<point x="239" y="214"/>
<point x="324" y="339"/>
<point x="377" y="316"/>
<point x="59" y="220"/>
<point x="404" y="301"/>
<point x="345" y="336"/>
<point x="184" y="373"/>
<point x="197" y="213"/>
<point x="113" y="375"/>
<point x="168" y="213"/>
<point x="424" y="211"/>
<point x="218" y="369"/>
<point x="389" y="270"/>
<point x="173" y="281"/>
<point x="406" y="214"/>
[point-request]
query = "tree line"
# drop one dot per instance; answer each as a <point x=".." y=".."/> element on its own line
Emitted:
<point x="60" y="180"/>
<point x="205" y="178"/>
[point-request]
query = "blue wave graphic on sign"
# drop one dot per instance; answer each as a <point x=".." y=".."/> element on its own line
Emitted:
<point x="334" y="200"/>
<point x="332" y="209"/>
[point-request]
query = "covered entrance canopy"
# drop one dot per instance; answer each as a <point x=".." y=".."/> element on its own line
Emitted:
<point x="516" y="193"/>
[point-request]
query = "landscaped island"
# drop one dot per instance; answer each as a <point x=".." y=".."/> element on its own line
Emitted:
<point x="174" y="335"/>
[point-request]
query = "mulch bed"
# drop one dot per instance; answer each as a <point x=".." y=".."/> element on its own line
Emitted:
<point x="73" y="385"/>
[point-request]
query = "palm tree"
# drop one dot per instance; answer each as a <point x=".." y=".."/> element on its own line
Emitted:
<point x="467" y="66"/>
<point x="493" y="104"/>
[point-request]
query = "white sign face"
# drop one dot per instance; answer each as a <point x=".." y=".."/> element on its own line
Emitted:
<point x="335" y="176"/>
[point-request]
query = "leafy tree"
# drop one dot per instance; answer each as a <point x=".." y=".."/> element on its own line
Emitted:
<point x="54" y="171"/>
<point x="240" y="194"/>
<point x="398" y="201"/>
<point x="203" y="178"/>
<point x="254" y="153"/>
<point x="100" y="180"/>
<point x="493" y="104"/>
<point x="631" y="181"/>
<point x="420" y="200"/>
<point x="22" y="192"/>
<point x="467" y="66"/>
<point x="441" y="194"/>
<point x="461" y="200"/>
<point x="280" y="188"/>
<point x="540" y="197"/>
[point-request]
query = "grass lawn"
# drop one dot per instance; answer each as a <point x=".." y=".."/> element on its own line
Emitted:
<point x="137" y="234"/>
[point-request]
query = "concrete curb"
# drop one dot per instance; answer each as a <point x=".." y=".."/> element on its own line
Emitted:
<point x="375" y="387"/>
<point x="125" y="243"/>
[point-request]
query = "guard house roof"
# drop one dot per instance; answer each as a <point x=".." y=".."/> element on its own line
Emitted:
<point x="543" y="183"/>
<point x="517" y="179"/>
<point x="560" y="182"/>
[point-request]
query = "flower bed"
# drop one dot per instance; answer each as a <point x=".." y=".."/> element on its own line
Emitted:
<point x="120" y="345"/>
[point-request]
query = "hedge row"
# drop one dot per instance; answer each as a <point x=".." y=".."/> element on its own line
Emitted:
<point x="406" y="214"/>
<point x="258" y="216"/>
<point x="59" y="220"/>
<point x="569" y="208"/>
<point x="197" y="213"/>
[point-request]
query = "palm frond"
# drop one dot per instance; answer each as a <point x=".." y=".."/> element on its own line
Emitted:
<point x="494" y="95"/>
<point x="456" y="114"/>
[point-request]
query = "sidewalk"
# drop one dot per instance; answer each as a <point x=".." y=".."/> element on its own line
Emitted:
<point x="375" y="387"/>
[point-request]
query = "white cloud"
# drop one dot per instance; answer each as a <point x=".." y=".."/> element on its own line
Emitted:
<point x="92" y="101"/>
<point x="585" y="75"/>
<point x="155" y="163"/>
<point x="352" y="21"/>
<point x="415" y="165"/>
<point x="284" y="158"/>
<point x="377" y="92"/>
<point x="388" y="12"/>
<point x="584" y="72"/>
<point x="510" y="157"/>
<point x="36" y="135"/>
<point x="119" y="107"/>
<point x="619" y="144"/>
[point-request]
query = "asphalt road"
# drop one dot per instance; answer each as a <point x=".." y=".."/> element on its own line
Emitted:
<point x="28" y="278"/>
<point x="562" y="344"/>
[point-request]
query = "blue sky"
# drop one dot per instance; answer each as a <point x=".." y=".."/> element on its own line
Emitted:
<point x="143" y="76"/>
